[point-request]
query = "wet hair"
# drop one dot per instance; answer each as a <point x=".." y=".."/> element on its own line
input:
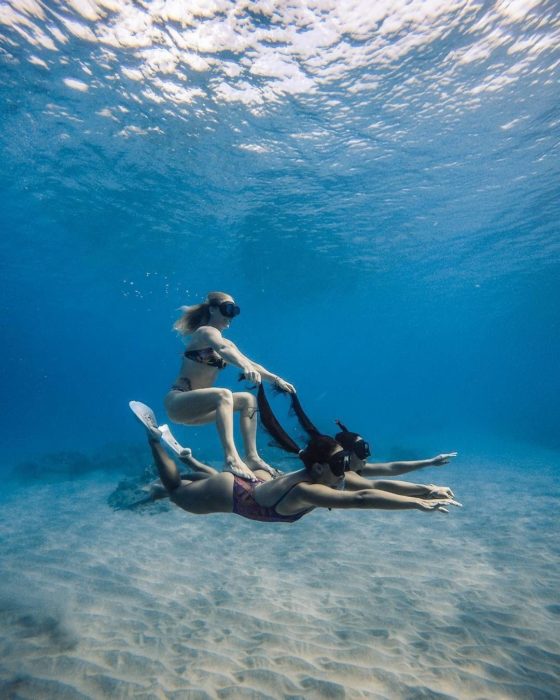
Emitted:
<point x="302" y="417"/>
<point x="347" y="439"/>
<point x="318" y="449"/>
<point x="198" y="315"/>
<point x="280" y="437"/>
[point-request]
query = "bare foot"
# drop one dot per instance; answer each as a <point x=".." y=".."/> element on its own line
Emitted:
<point x="239" y="469"/>
<point x="256" y="462"/>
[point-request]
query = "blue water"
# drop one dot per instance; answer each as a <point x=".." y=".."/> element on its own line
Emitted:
<point x="378" y="188"/>
<point x="387" y="217"/>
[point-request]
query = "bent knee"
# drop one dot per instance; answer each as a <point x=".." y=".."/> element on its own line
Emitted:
<point x="243" y="399"/>
<point x="225" y="396"/>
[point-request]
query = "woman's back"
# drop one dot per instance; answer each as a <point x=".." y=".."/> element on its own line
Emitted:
<point x="281" y="493"/>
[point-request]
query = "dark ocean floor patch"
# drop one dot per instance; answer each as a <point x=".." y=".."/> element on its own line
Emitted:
<point x="136" y="493"/>
<point x="33" y="617"/>
<point x="61" y="465"/>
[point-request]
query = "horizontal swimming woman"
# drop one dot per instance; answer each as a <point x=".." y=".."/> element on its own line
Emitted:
<point x="286" y="498"/>
<point x="359" y="449"/>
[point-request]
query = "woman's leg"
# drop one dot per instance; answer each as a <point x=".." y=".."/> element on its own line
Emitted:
<point x="184" y="454"/>
<point x="210" y="494"/>
<point x="167" y="469"/>
<point x="213" y="494"/>
<point x="203" y="405"/>
<point x="199" y="466"/>
<point x="246" y="404"/>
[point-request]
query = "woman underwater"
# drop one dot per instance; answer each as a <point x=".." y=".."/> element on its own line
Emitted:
<point x="193" y="400"/>
<point x="359" y="449"/>
<point x="289" y="497"/>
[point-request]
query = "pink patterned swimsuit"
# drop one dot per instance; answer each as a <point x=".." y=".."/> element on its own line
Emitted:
<point x="244" y="503"/>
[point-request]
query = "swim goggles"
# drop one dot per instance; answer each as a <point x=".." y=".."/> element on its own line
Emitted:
<point x="339" y="463"/>
<point x="361" y="448"/>
<point x="353" y="442"/>
<point x="227" y="308"/>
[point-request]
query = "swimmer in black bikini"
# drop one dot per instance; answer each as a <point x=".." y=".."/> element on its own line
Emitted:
<point x="192" y="399"/>
<point x="287" y="498"/>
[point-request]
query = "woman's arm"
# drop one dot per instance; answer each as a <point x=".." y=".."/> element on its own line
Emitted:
<point x="354" y="482"/>
<point x="324" y="497"/>
<point x="282" y="384"/>
<point x="397" y="468"/>
<point x="230" y="352"/>
<point x="225" y="348"/>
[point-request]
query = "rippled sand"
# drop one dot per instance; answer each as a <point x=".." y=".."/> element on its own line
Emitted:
<point x="102" y="604"/>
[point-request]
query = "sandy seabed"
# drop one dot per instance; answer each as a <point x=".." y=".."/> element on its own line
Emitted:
<point x="96" y="603"/>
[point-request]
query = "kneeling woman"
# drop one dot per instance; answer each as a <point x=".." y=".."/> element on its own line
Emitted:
<point x="193" y="400"/>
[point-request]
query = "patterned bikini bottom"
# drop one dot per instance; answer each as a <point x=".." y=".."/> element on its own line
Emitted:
<point x="186" y="386"/>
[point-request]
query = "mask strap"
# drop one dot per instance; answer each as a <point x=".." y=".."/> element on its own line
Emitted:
<point x="342" y="426"/>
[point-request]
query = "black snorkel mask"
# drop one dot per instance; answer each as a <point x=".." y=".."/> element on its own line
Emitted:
<point x="227" y="308"/>
<point x="339" y="463"/>
<point x="352" y="442"/>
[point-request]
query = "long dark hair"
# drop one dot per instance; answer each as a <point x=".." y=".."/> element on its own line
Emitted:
<point x="318" y="449"/>
<point x="302" y="417"/>
<point x="270" y="423"/>
<point x="345" y="438"/>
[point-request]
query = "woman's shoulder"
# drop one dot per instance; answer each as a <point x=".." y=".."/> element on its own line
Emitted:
<point x="206" y="333"/>
<point x="301" y="489"/>
<point x="320" y="495"/>
<point x="306" y="487"/>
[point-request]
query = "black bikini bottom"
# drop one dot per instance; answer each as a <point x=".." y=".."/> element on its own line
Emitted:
<point x="186" y="386"/>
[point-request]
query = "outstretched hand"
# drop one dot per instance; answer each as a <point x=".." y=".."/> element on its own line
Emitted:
<point x="443" y="458"/>
<point x="440" y="492"/>
<point x="439" y="504"/>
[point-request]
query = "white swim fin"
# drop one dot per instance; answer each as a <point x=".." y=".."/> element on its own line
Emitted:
<point x="146" y="416"/>
<point x="171" y="442"/>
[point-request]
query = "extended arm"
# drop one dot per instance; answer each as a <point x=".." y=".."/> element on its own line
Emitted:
<point x="354" y="482"/>
<point x="397" y="468"/>
<point x="324" y="497"/>
<point x="231" y="354"/>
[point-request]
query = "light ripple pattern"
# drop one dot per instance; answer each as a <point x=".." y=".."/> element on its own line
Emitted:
<point x="222" y="98"/>
<point x="97" y="603"/>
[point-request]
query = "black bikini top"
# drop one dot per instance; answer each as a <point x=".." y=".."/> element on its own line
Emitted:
<point x="206" y="356"/>
<point x="294" y="516"/>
